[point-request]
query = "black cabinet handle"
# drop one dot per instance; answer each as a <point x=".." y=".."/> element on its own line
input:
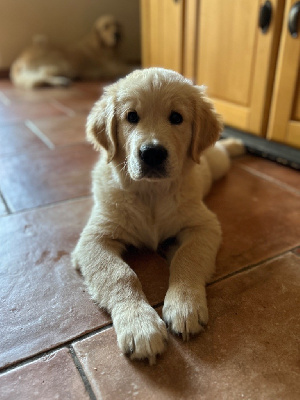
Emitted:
<point x="294" y="20"/>
<point x="265" y="16"/>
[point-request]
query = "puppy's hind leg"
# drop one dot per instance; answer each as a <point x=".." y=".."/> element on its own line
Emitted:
<point x="57" y="81"/>
<point x="50" y="76"/>
<point x="29" y="79"/>
<point x="218" y="157"/>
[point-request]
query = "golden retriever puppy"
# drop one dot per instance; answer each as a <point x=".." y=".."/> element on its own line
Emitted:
<point x="152" y="128"/>
<point x="93" y="57"/>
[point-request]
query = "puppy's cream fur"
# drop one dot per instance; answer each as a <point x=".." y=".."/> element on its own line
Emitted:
<point x="134" y="208"/>
<point x="93" y="57"/>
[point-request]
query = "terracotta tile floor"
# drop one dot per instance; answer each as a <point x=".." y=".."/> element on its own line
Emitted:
<point x="56" y="343"/>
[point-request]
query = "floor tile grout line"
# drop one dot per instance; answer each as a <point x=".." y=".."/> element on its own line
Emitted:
<point x="92" y="333"/>
<point x="50" y="205"/>
<point x="34" y="129"/>
<point x="242" y="270"/>
<point x="33" y="151"/>
<point x="5" y="100"/>
<point x="268" y="178"/>
<point x="80" y="369"/>
<point x="43" y="353"/>
<point x="65" y="109"/>
<point x="7" y="208"/>
<point x="251" y="266"/>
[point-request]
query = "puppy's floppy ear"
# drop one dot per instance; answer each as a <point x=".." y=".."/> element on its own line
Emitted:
<point x="96" y="32"/>
<point x="207" y="124"/>
<point x="101" y="126"/>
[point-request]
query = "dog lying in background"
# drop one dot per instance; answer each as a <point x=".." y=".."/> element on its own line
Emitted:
<point x="93" y="57"/>
<point x="155" y="131"/>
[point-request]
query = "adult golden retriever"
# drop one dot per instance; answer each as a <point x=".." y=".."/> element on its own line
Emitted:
<point x="152" y="128"/>
<point x="93" y="57"/>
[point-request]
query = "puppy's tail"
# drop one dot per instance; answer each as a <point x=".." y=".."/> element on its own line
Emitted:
<point x="234" y="147"/>
<point x="218" y="157"/>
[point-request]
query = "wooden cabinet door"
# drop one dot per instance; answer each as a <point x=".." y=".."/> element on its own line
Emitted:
<point x="284" y="125"/>
<point x="162" y="33"/>
<point x="236" y="60"/>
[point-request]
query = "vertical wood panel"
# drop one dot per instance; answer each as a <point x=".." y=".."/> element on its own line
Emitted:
<point x="173" y="33"/>
<point x="264" y="70"/>
<point x="281" y="126"/>
<point x="190" y="39"/>
<point x="156" y="32"/>
<point x="145" y="32"/>
<point x="163" y="25"/>
<point x="227" y="38"/>
<point x="296" y="107"/>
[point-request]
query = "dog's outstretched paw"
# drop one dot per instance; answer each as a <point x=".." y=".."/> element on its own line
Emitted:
<point x="185" y="315"/>
<point x="141" y="333"/>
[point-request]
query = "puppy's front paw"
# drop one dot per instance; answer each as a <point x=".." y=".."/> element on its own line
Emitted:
<point x="185" y="311"/>
<point x="141" y="332"/>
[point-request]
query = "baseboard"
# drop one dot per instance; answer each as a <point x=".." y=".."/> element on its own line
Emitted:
<point x="261" y="147"/>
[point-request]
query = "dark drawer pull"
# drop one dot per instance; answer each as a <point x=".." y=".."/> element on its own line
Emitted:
<point x="265" y="16"/>
<point x="294" y="20"/>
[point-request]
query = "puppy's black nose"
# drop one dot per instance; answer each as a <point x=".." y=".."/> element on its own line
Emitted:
<point x="153" y="155"/>
<point x="117" y="36"/>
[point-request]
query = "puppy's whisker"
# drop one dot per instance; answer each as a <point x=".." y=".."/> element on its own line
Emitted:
<point x="119" y="165"/>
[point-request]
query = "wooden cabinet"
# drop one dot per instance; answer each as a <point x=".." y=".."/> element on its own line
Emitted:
<point x="284" y="122"/>
<point x="221" y="45"/>
<point x="162" y="33"/>
<point x="236" y="60"/>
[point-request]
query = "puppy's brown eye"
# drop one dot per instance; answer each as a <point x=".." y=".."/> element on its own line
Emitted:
<point x="133" y="117"/>
<point x="175" y="118"/>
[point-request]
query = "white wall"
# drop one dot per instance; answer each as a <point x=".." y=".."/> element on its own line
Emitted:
<point x="63" y="21"/>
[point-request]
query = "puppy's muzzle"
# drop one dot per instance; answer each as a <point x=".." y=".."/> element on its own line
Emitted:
<point x="153" y="157"/>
